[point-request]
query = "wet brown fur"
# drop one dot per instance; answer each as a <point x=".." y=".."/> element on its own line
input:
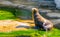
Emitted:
<point x="40" y="18"/>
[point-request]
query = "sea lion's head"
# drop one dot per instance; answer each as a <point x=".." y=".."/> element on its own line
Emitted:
<point x="35" y="10"/>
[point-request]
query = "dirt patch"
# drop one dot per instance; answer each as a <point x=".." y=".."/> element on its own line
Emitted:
<point x="10" y="25"/>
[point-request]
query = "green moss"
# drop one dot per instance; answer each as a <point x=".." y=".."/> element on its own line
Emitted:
<point x="6" y="15"/>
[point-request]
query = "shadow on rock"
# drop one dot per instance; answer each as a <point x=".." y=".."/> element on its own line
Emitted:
<point x="57" y="26"/>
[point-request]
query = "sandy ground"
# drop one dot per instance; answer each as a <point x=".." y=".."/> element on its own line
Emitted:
<point x="10" y="25"/>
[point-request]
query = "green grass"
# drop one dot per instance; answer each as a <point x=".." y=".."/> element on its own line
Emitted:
<point x="32" y="33"/>
<point x="29" y="32"/>
<point x="6" y="15"/>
